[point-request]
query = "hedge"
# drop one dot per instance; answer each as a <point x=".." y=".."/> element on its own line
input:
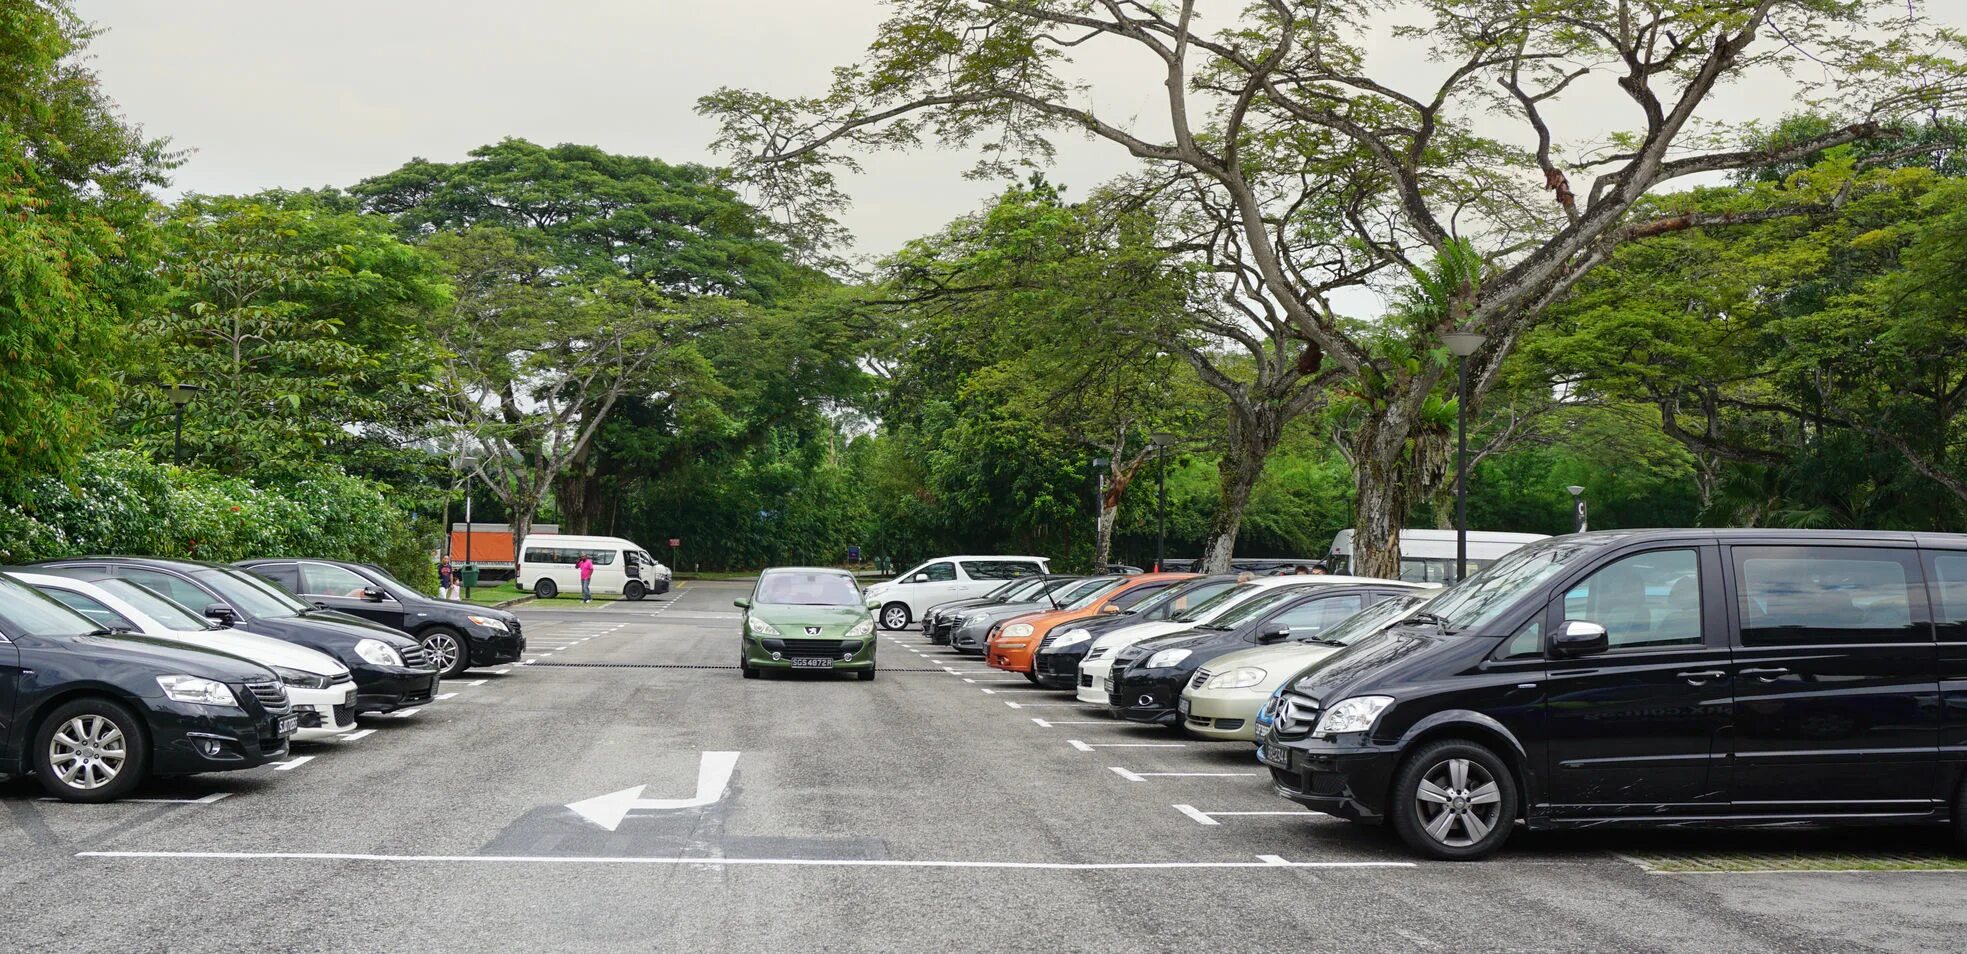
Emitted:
<point x="117" y="502"/>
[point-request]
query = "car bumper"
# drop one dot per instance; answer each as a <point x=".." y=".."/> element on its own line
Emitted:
<point x="1349" y="782"/>
<point x="1148" y="698"/>
<point x="1058" y="670"/>
<point x="323" y="713"/>
<point x="1009" y="658"/>
<point x="968" y="639"/>
<point x="1228" y="714"/>
<point x="1092" y="680"/>
<point x="490" y="648"/>
<point x="388" y="688"/>
<point x="759" y="655"/>
<point x="244" y="739"/>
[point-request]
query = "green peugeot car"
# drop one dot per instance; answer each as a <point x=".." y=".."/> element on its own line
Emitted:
<point x="804" y="617"/>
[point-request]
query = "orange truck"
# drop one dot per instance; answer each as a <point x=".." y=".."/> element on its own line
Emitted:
<point x="1015" y="642"/>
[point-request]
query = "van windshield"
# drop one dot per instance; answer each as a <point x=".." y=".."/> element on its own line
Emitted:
<point x="808" y="589"/>
<point x="1491" y="592"/>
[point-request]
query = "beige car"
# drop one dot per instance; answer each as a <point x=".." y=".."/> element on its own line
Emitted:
<point x="1221" y="702"/>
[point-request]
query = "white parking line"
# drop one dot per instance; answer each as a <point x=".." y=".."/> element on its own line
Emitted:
<point x="446" y="695"/>
<point x="1209" y="818"/>
<point x="355" y="736"/>
<point x="1044" y="705"/>
<point x="1047" y="723"/>
<point x="1083" y="747"/>
<point x="475" y="682"/>
<point x="206" y="800"/>
<point x="292" y="764"/>
<point x="501" y="672"/>
<point x="1144" y="776"/>
<point x="405" y="713"/>
<point x="1263" y="861"/>
<point x="987" y="692"/>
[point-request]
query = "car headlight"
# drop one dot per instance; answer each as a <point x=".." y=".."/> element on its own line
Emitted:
<point x="863" y="628"/>
<point x="488" y="622"/>
<point x="1071" y="637"/>
<point x="1242" y="678"/>
<point x="761" y="628"/>
<point x="378" y="652"/>
<point x="192" y="689"/>
<point x="1166" y="658"/>
<point x="300" y="680"/>
<point x="1356" y="714"/>
<point x="1017" y="630"/>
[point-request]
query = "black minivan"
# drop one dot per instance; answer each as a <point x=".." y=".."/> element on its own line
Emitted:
<point x="1658" y="677"/>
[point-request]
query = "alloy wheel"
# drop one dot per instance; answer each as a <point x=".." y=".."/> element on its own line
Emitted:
<point x="1458" y="802"/>
<point x="895" y="617"/>
<point x="444" y="650"/>
<point x="87" y="752"/>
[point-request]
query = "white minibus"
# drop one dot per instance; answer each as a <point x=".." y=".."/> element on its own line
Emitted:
<point x="549" y="564"/>
<point x="1428" y="556"/>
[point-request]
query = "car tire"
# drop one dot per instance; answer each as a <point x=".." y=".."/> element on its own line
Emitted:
<point x="459" y="656"/>
<point x="745" y="666"/>
<point x="545" y="589"/>
<point x="1031" y="677"/>
<point x="635" y="591"/>
<point x="894" y="616"/>
<point x="1960" y="816"/>
<point x="1467" y="808"/>
<point x="867" y="675"/>
<point x="98" y="724"/>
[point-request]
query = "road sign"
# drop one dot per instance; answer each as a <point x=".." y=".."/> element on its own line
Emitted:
<point x="853" y="554"/>
<point x="713" y="776"/>
<point x="675" y="542"/>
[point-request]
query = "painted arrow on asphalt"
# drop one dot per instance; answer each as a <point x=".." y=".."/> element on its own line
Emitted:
<point x="713" y="776"/>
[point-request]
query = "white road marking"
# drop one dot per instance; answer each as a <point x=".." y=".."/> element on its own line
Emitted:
<point x="292" y="764"/>
<point x="355" y="736"/>
<point x="1144" y="776"/>
<point x="405" y="713"/>
<point x="205" y="800"/>
<point x="1209" y="818"/>
<point x="1044" y="705"/>
<point x="713" y="778"/>
<point x="988" y="692"/>
<point x="1263" y="861"/>
<point x="1200" y="818"/>
<point x="1123" y="773"/>
<point x="501" y="672"/>
<point x="446" y="695"/>
<point x="476" y="682"/>
<point x="1083" y="747"/>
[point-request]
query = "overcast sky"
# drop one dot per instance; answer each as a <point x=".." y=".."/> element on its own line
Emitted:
<point x="268" y="93"/>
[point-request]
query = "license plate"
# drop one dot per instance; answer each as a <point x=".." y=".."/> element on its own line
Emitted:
<point x="1277" y="755"/>
<point x="288" y="724"/>
<point x="1182" y="707"/>
<point x="806" y="663"/>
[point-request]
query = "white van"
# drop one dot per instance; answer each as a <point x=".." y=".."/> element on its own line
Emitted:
<point x="1428" y="556"/>
<point x="549" y="565"/>
<point x="947" y="578"/>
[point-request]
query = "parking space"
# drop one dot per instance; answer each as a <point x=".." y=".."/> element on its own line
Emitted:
<point x="622" y="787"/>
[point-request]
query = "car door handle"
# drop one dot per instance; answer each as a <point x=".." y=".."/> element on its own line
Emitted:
<point x="1701" y="677"/>
<point x="1766" y="675"/>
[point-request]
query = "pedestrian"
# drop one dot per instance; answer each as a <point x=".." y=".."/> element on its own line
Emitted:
<point x="587" y="578"/>
<point x="457" y="583"/>
<point x="445" y="576"/>
<point x="1302" y="570"/>
<point x="1318" y="569"/>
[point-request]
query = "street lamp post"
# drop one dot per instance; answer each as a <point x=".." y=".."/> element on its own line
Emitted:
<point x="469" y="462"/>
<point x="1463" y="344"/>
<point x="1100" y="467"/>
<point x="179" y="396"/>
<point x="1161" y="441"/>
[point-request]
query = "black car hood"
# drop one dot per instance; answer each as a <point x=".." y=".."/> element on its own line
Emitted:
<point x="167" y="657"/>
<point x="334" y="633"/>
<point x="1374" y="661"/>
<point x="341" y="621"/>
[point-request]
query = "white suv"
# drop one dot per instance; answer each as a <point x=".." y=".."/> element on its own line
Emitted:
<point x="947" y="578"/>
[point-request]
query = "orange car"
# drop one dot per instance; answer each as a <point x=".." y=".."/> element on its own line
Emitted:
<point x="1014" y="642"/>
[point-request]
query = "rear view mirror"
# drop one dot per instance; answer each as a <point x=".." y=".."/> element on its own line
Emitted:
<point x="219" y="613"/>
<point x="1579" y="637"/>
<point x="1277" y="635"/>
<point x="741" y="604"/>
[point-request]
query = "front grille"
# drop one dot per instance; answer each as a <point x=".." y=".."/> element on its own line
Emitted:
<point x="345" y="677"/>
<point x="513" y="627"/>
<point x="813" y="648"/>
<point x="1294" y="716"/>
<point x="415" y="658"/>
<point x="272" y="695"/>
<point x="1201" y="676"/>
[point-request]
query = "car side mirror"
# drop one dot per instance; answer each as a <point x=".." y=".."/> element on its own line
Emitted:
<point x="919" y="578"/>
<point x="1277" y="635"/>
<point x="320" y="604"/>
<point x="1579" y="637"/>
<point x="741" y="604"/>
<point x="1109" y="608"/>
<point x="220" y="613"/>
<point x="374" y="595"/>
<point x="874" y="604"/>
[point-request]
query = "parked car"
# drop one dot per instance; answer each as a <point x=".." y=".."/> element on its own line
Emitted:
<point x="1648" y="678"/>
<point x="1147" y="678"/>
<point x="1015" y="644"/>
<point x="1100" y="652"/>
<point x="91" y="714"/>
<point x="1428" y="556"/>
<point x="391" y="670"/>
<point x="970" y="633"/>
<point x="457" y="636"/>
<point x="947" y="578"/>
<point x="1057" y="665"/>
<point x="940" y="619"/>
<point x="549" y="564"/>
<point x="806" y="618"/>
<point x="321" y="690"/>
<point x="1223" y="699"/>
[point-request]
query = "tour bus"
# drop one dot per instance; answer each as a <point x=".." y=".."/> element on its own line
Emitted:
<point x="549" y="564"/>
<point x="1428" y="556"/>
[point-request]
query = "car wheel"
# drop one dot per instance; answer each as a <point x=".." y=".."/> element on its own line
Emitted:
<point x="894" y="616"/>
<point x="545" y="589"/>
<point x="1960" y="817"/>
<point x="1454" y="800"/>
<point x="746" y="667"/>
<point x="1031" y="677"/>
<point x="867" y="675"/>
<point x="634" y="591"/>
<point x="447" y="650"/>
<point x="90" y="750"/>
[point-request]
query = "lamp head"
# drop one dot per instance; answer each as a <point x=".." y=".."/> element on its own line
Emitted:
<point x="181" y="394"/>
<point x="1463" y="343"/>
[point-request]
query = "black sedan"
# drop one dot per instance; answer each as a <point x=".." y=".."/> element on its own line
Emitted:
<point x="1057" y="663"/>
<point x="1147" y="678"/>
<point x="91" y="713"/>
<point x="391" y="670"/>
<point x="457" y="636"/>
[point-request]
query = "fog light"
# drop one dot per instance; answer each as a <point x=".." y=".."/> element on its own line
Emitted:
<point x="1145" y="701"/>
<point x="846" y="656"/>
<point x="208" y="748"/>
<point x="776" y="657"/>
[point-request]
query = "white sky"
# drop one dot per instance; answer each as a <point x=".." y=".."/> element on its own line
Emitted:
<point x="270" y="93"/>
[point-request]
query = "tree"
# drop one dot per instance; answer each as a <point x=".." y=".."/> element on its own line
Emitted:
<point x="77" y="247"/>
<point x="1304" y="173"/>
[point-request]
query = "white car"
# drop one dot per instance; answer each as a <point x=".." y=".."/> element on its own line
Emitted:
<point x="943" y="579"/>
<point x="321" y="688"/>
<point x="1099" y="657"/>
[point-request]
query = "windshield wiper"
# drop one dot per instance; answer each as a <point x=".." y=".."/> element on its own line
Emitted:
<point x="1435" y="618"/>
<point x="1320" y="640"/>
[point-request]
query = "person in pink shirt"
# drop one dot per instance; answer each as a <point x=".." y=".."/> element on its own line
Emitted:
<point x="587" y="578"/>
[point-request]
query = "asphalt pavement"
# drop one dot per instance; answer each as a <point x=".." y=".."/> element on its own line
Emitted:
<point x="626" y="790"/>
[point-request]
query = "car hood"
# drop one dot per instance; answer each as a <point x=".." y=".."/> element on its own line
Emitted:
<point x="1129" y="635"/>
<point x="264" y="650"/>
<point x="327" y="631"/>
<point x="1369" y="660"/>
<point x="792" y="620"/>
<point x="1279" y="662"/>
<point x="170" y="657"/>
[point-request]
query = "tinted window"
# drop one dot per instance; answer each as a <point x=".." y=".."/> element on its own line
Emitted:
<point x="1315" y="616"/>
<point x="808" y="589"/>
<point x="998" y="569"/>
<point x="1813" y="595"/>
<point x="178" y="590"/>
<point x="285" y="574"/>
<point x="1526" y="643"/>
<point x="1254" y="608"/>
<point x="1138" y="593"/>
<point x="325" y="580"/>
<point x="250" y="594"/>
<point x="1948" y="582"/>
<point x="25" y="612"/>
<point x="568" y="556"/>
<point x="937" y="572"/>
<point x="93" y="608"/>
<point x="1644" y="600"/>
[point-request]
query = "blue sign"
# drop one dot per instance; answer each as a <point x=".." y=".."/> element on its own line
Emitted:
<point x="853" y="554"/>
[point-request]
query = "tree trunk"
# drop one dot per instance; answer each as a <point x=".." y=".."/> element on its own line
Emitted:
<point x="582" y="501"/>
<point x="1395" y="457"/>
<point x="1251" y="438"/>
<point x="1103" y="541"/>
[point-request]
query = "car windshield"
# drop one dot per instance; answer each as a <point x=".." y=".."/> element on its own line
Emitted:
<point x="1214" y="604"/>
<point x="1494" y="589"/>
<point x="1080" y="597"/>
<point x="1253" y="608"/>
<point x="808" y="589"/>
<point x="248" y="595"/>
<point x="26" y="612"/>
<point x="167" y="612"/>
<point x="1030" y="585"/>
<point x="1368" y="621"/>
<point x="380" y="575"/>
